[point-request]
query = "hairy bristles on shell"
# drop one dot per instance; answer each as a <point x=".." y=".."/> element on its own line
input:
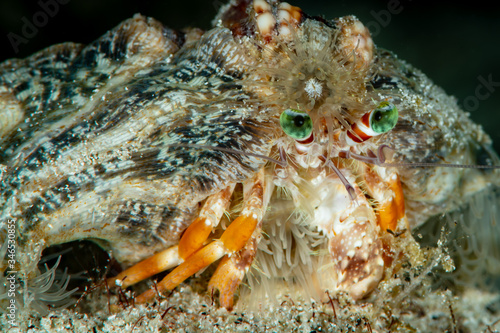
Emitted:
<point x="228" y="150"/>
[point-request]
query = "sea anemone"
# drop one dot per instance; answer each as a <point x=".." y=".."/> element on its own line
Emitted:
<point x="43" y="293"/>
<point x="289" y="253"/>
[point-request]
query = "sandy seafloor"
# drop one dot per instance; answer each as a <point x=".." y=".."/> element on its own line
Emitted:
<point x="473" y="311"/>
<point x="414" y="299"/>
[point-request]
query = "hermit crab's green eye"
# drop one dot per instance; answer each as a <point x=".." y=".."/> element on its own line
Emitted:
<point x="296" y="124"/>
<point x="383" y="118"/>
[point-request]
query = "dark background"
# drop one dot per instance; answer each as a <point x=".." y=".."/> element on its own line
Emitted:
<point x="452" y="43"/>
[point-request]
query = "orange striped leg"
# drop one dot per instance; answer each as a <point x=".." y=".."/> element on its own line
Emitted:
<point x="192" y="240"/>
<point x="197" y="233"/>
<point x="234" y="238"/>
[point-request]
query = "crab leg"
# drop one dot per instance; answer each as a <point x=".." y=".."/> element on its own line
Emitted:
<point x="234" y="238"/>
<point x="354" y="242"/>
<point x="355" y="228"/>
<point x="197" y="233"/>
<point x="232" y="269"/>
<point x="191" y="241"/>
<point x="391" y="198"/>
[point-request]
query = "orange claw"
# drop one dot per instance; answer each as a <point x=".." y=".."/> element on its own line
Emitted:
<point x="391" y="198"/>
<point x="191" y="241"/>
<point x="392" y="210"/>
<point x="399" y="198"/>
<point x="387" y="215"/>
<point x="233" y="239"/>
<point x="198" y="231"/>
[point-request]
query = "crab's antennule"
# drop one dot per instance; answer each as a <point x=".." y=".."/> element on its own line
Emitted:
<point x="229" y="150"/>
<point x="283" y="158"/>
<point x="379" y="159"/>
<point x="462" y="166"/>
<point x="349" y="188"/>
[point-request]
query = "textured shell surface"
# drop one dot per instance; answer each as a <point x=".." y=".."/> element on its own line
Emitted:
<point x="130" y="140"/>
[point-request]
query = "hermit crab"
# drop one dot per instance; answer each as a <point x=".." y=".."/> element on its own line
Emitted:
<point x="274" y="134"/>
